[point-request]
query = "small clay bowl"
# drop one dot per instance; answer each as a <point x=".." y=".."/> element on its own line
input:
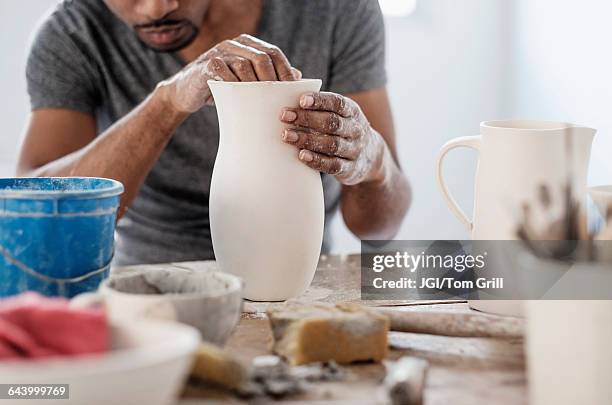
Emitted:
<point x="208" y="300"/>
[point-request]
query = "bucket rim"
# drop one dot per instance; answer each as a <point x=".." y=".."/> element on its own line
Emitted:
<point x="115" y="188"/>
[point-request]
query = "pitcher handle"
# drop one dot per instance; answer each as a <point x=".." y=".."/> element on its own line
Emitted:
<point x="472" y="142"/>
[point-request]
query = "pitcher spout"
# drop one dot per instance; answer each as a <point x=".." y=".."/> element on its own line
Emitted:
<point x="584" y="131"/>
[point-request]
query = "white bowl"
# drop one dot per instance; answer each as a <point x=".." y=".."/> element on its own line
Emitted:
<point x="211" y="301"/>
<point x="148" y="364"/>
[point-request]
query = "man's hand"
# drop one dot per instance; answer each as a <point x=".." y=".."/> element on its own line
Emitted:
<point x="243" y="59"/>
<point x="335" y="137"/>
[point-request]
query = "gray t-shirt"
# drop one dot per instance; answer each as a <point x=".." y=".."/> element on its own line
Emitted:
<point x="84" y="58"/>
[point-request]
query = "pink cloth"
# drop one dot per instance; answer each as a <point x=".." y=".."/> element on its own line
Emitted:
<point x="33" y="326"/>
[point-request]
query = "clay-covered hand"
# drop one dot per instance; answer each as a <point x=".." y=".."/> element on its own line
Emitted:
<point x="334" y="137"/>
<point x="244" y="59"/>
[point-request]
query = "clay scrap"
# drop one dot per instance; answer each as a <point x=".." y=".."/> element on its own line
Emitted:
<point x="271" y="376"/>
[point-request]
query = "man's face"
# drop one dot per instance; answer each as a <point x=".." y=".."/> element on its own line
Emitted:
<point x="163" y="25"/>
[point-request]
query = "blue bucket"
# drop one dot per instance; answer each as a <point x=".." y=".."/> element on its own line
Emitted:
<point x="56" y="234"/>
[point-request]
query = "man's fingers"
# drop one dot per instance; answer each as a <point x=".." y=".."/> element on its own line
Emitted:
<point x="320" y="121"/>
<point x="267" y="62"/>
<point x="217" y="69"/>
<point x="331" y="165"/>
<point x="241" y="68"/>
<point x="326" y="144"/>
<point x="332" y="102"/>
<point x="279" y="60"/>
<point x="297" y="74"/>
<point x="262" y="63"/>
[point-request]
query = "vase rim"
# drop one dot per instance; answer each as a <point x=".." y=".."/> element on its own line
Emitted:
<point x="262" y="83"/>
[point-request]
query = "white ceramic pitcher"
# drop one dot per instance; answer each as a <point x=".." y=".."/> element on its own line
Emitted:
<point x="266" y="207"/>
<point x="515" y="158"/>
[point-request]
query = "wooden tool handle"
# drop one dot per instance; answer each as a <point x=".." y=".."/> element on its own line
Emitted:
<point x="454" y="324"/>
<point x="405" y="381"/>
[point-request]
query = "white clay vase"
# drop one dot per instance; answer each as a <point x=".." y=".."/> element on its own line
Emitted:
<point x="266" y="207"/>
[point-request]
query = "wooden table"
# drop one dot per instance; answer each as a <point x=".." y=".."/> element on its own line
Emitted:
<point x="462" y="370"/>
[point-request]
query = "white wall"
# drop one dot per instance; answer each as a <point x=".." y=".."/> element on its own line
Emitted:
<point x="446" y="65"/>
<point x="563" y="69"/>
<point x="19" y="18"/>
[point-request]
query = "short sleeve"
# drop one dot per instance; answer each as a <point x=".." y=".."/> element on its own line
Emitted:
<point x="358" y="50"/>
<point x="58" y="72"/>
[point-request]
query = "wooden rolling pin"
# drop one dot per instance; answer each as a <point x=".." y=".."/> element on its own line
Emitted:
<point x="453" y="324"/>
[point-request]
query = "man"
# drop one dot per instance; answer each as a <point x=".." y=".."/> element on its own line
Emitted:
<point x="118" y="89"/>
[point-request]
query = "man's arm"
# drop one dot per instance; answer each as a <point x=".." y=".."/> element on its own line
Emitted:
<point x="62" y="142"/>
<point x="335" y="135"/>
<point x="375" y="210"/>
<point x="352" y="137"/>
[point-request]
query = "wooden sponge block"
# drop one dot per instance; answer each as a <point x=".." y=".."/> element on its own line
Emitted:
<point x="323" y="332"/>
